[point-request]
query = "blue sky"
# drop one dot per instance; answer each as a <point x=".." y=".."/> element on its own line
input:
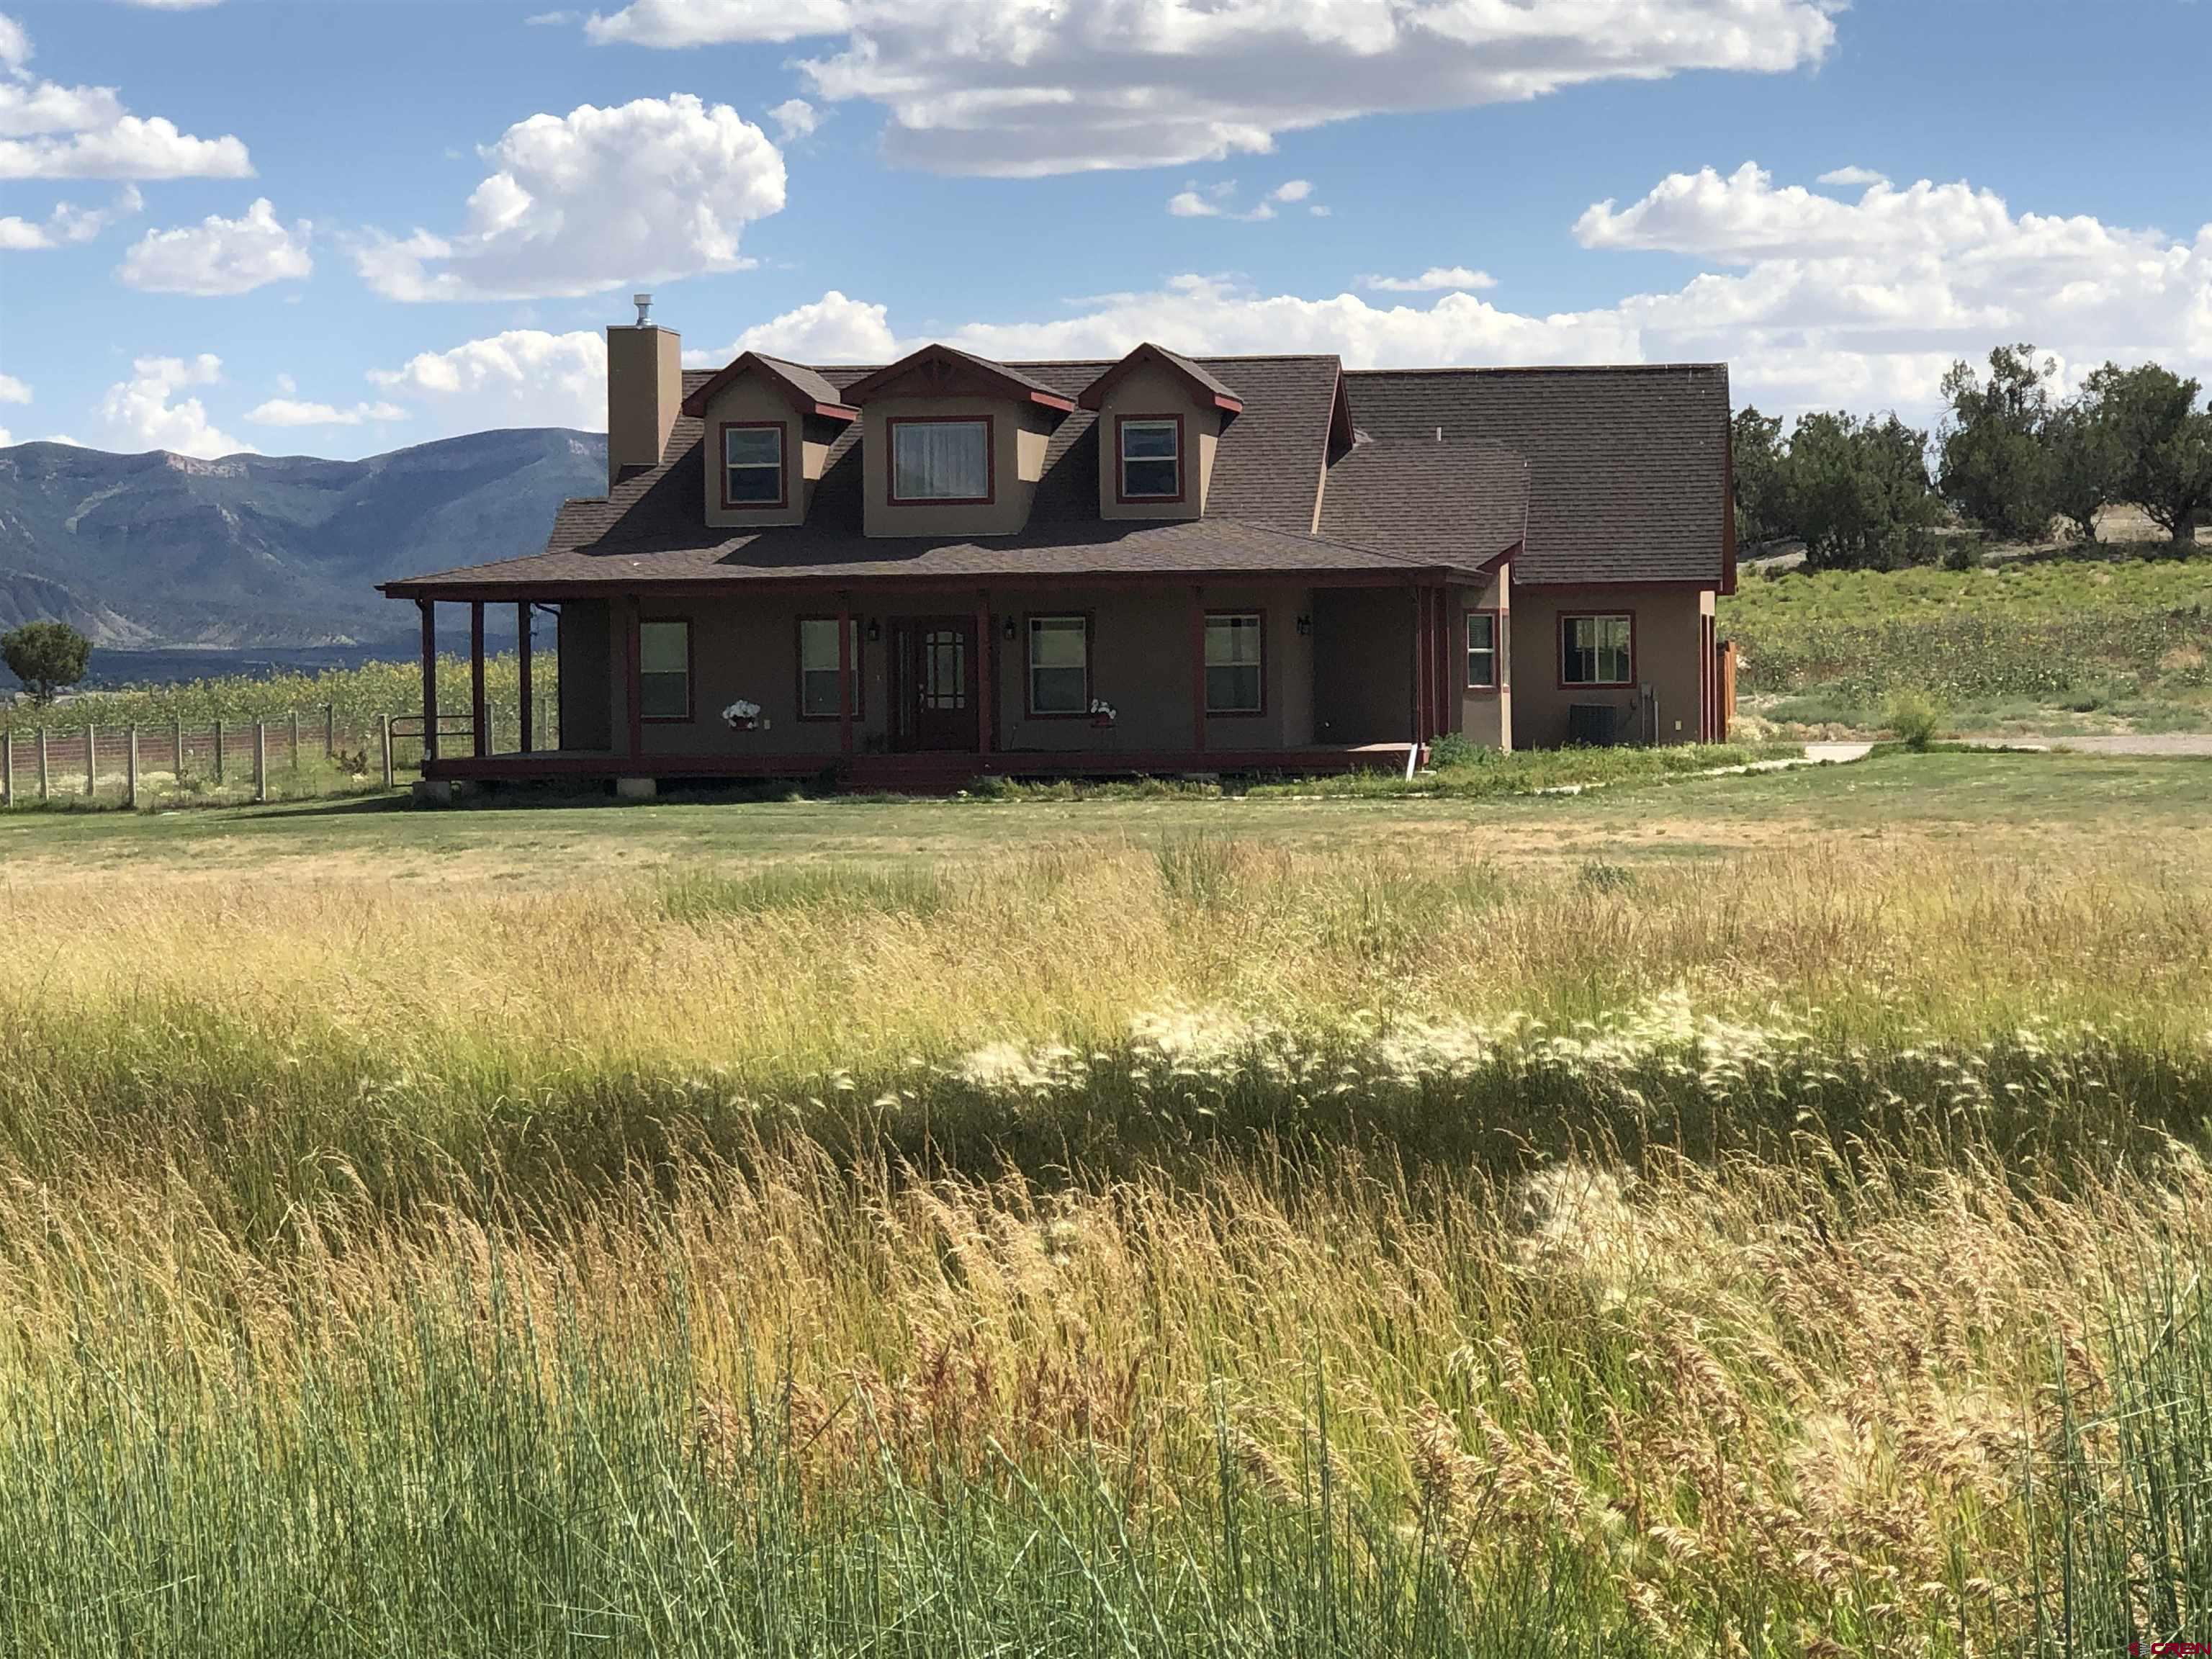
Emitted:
<point x="371" y="222"/>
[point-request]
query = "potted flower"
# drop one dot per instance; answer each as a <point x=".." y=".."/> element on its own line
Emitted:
<point x="1101" y="712"/>
<point x="743" y="716"/>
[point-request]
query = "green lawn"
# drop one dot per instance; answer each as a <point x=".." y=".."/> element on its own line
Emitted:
<point x="1989" y="795"/>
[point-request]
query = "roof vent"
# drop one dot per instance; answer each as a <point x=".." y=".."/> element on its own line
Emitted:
<point x="644" y="304"/>
<point x="1440" y="434"/>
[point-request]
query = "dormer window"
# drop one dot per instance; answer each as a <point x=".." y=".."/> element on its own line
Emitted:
<point x="1150" y="448"/>
<point x="752" y="464"/>
<point x="945" y="460"/>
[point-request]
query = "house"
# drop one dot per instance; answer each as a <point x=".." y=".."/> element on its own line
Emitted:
<point x="916" y="574"/>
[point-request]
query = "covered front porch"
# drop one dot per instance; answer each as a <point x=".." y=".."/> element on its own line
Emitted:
<point x="890" y="686"/>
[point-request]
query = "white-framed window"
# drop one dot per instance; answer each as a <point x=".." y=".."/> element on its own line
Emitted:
<point x="934" y="460"/>
<point x="1234" y="647"/>
<point x="1598" y="650"/>
<point x="1152" y="458"/>
<point x="1059" y="664"/>
<point x="1484" y="650"/>
<point x="663" y="676"/>
<point x="819" y="698"/>
<point x="752" y="464"/>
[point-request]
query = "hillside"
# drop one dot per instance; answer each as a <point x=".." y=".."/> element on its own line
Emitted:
<point x="252" y="551"/>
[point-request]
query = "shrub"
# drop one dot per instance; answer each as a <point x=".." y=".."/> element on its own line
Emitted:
<point x="1457" y="749"/>
<point x="1914" y="717"/>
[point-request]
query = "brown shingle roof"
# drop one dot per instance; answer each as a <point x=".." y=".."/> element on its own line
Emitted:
<point x="1627" y="467"/>
<point x="1444" y="503"/>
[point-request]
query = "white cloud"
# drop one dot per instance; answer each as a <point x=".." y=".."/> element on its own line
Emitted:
<point x="220" y="255"/>
<point x="1436" y="277"/>
<point x="830" y="330"/>
<point x="7" y="438"/>
<point x="980" y="86"/>
<point x="142" y="413"/>
<point x="173" y="5"/>
<point x="550" y="19"/>
<point x="67" y="224"/>
<point x="1192" y="203"/>
<point x="49" y="130"/>
<point x="649" y="191"/>
<point x="1216" y="201"/>
<point x="525" y="377"/>
<point x="1849" y="176"/>
<point x="794" y="118"/>
<point x="287" y="411"/>
<point x="13" y="390"/>
<point x="1293" y="189"/>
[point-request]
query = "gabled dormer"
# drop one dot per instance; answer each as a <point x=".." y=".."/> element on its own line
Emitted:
<point x="769" y="425"/>
<point x="1160" y="416"/>
<point x="952" y="444"/>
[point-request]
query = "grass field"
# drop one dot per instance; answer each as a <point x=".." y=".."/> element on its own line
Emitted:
<point x="1758" y="1215"/>
<point x="2052" y="643"/>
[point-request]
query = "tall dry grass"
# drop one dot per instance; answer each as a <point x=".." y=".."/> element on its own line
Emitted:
<point x="1210" y="1250"/>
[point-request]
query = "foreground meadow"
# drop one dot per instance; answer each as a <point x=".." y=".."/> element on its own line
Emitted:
<point x="1754" y="1215"/>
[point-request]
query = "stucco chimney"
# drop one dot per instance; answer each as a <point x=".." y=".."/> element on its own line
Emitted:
<point x="645" y="389"/>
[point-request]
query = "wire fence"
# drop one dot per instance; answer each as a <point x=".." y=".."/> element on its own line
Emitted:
<point x="300" y="755"/>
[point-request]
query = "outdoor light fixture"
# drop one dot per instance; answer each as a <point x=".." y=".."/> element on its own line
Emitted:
<point x="1010" y="630"/>
<point x="875" y="631"/>
<point x="1305" y="625"/>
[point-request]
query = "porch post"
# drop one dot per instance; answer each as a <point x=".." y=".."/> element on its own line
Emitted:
<point x="1420" y="659"/>
<point x="1198" y="669"/>
<point x="429" y="687"/>
<point x="478" y="727"/>
<point x="1446" y="720"/>
<point x="633" y="678"/>
<point x="845" y="673"/>
<point x="986" y="709"/>
<point x="522" y="627"/>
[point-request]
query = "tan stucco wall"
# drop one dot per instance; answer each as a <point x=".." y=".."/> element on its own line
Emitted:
<point x="805" y="452"/>
<point x="1487" y="717"/>
<point x="1020" y="434"/>
<point x="645" y="394"/>
<point x="1152" y="390"/>
<point x="1666" y="645"/>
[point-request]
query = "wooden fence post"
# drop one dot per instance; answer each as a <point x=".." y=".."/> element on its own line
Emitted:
<point x="329" y="730"/>
<point x="295" y="739"/>
<point x="384" y="726"/>
<point x="46" y="784"/>
<point x="177" y="747"/>
<point x="8" y="766"/>
<point x="219" y="747"/>
<point x="130" y="767"/>
<point x="260" y="763"/>
<point x="91" y="762"/>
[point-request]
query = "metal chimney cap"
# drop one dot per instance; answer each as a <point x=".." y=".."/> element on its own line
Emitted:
<point x="644" y="304"/>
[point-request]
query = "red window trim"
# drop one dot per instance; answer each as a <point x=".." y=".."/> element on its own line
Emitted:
<point x="1213" y="714"/>
<point x="690" y="671"/>
<point x="782" y="500"/>
<point x="990" y="495"/>
<point x="1497" y="615"/>
<point x="1566" y="684"/>
<point x="799" y="664"/>
<point x="1121" y="496"/>
<point x="1030" y="711"/>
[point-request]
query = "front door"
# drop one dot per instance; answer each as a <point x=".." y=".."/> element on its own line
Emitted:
<point x="934" y="674"/>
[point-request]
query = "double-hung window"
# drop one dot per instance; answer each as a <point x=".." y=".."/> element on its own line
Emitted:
<point x="819" y="694"/>
<point x="1151" y="458"/>
<point x="752" y="464"/>
<point x="1597" y="650"/>
<point x="1485" y="651"/>
<point x="1233" y="678"/>
<point x="1059" y="664"/>
<point x="664" y="679"/>
<point x="947" y="460"/>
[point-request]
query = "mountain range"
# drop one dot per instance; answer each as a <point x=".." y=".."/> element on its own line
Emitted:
<point x="161" y="551"/>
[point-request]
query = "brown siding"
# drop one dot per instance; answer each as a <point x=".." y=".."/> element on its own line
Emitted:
<point x="1667" y="645"/>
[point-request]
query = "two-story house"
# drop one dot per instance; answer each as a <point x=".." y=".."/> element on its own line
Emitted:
<point x="945" y="567"/>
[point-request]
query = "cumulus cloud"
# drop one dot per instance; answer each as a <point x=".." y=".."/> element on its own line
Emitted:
<point x="221" y="256"/>
<point x="13" y="390"/>
<point x="1430" y="281"/>
<point x="66" y="224"/>
<point x="1218" y="201"/>
<point x="794" y="118"/>
<point x="525" y="377"/>
<point x="649" y="191"/>
<point x="289" y="411"/>
<point x="146" y="412"/>
<point x="1849" y="176"/>
<point x="50" y="131"/>
<point x="978" y="85"/>
<point x="831" y="329"/>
